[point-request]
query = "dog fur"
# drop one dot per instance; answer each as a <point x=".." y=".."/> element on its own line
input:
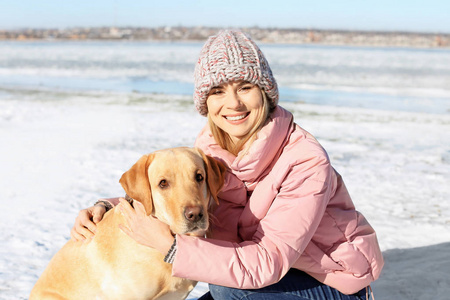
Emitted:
<point x="170" y="184"/>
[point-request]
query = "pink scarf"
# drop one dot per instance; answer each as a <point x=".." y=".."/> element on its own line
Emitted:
<point x="251" y="167"/>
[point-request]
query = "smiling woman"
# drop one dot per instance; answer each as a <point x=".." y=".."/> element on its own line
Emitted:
<point x="235" y="88"/>
<point x="236" y="111"/>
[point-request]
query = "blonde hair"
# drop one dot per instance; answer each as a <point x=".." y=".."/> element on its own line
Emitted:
<point x="223" y="139"/>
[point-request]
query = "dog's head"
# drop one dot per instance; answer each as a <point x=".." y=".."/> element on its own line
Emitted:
<point x="176" y="185"/>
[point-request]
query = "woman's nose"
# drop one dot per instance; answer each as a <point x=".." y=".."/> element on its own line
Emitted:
<point x="233" y="101"/>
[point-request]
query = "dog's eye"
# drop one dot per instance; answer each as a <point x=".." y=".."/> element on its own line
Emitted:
<point x="163" y="184"/>
<point x="199" y="177"/>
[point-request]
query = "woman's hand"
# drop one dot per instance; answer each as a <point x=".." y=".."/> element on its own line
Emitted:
<point x="146" y="230"/>
<point x="84" y="227"/>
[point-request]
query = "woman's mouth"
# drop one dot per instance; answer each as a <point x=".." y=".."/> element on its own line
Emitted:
<point x="236" y="118"/>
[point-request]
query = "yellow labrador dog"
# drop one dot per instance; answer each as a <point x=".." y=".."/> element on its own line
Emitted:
<point x="176" y="185"/>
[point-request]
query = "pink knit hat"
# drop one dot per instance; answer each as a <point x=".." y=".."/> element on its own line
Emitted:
<point x="231" y="56"/>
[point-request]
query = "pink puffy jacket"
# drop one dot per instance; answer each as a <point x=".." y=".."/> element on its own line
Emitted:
<point x="282" y="206"/>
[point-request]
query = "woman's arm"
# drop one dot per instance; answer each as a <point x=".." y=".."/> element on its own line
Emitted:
<point x="279" y="240"/>
<point x="85" y="223"/>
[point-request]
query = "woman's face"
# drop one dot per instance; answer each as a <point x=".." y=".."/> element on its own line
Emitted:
<point x="235" y="107"/>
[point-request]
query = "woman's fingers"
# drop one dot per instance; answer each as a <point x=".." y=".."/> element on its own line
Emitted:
<point x="76" y="236"/>
<point x="98" y="211"/>
<point x="139" y="207"/>
<point x="83" y="227"/>
<point x="129" y="212"/>
<point x="84" y="220"/>
<point x="125" y="206"/>
<point x="126" y="230"/>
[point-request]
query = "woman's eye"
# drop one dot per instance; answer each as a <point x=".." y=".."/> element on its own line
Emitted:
<point x="163" y="184"/>
<point x="215" y="92"/>
<point x="199" y="177"/>
<point x="246" y="87"/>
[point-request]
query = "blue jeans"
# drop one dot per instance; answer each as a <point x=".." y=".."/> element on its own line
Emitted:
<point x="295" y="285"/>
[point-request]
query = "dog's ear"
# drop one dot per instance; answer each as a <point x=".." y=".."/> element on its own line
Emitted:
<point x="215" y="174"/>
<point x="136" y="184"/>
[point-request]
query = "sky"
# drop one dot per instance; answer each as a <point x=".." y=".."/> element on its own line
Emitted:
<point x="383" y="15"/>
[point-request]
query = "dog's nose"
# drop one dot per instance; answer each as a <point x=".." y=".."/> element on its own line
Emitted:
<point x="193" y="213"/>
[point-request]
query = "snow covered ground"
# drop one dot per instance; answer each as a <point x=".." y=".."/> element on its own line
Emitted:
<point x="61" y="149"/>
<point x="60" y="156"/>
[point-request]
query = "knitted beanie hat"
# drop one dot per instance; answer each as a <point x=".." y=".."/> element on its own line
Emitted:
<point x="231" y="56"/>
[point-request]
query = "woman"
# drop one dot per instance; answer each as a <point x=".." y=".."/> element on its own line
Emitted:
<point x="286" y="227"/>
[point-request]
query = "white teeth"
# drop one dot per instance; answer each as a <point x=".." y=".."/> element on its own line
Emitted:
<point x="236" y="118"/>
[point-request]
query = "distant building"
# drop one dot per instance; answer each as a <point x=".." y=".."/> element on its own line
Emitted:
<point x="267" y="35"/>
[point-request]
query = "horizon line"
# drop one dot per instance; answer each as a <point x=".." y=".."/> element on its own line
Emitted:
<point x="426" y="32"/>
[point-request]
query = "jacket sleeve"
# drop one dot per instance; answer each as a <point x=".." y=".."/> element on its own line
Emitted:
<point x="279" y="239"/>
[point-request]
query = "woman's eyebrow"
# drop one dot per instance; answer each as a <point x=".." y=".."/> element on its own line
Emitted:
<point x="243" y="83"/>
